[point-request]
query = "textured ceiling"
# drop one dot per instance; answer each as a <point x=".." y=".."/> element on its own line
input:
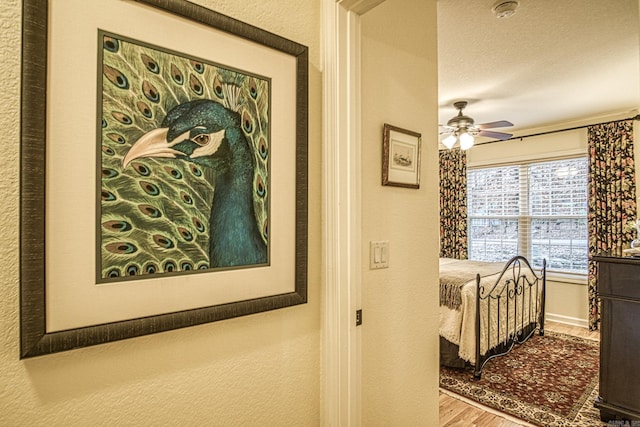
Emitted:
<point x="554" y="61"/>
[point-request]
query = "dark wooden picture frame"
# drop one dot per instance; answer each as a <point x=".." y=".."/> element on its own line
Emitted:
<point x="400" y="157"/>
<point x="35" y="338"/>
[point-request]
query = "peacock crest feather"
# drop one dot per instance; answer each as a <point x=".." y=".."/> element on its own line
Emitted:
<point x="154" y="214"/>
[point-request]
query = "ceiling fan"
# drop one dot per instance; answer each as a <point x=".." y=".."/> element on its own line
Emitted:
<point x="462" y="128"/>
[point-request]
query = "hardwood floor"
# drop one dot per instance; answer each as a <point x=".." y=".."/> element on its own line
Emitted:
<point x="455" y="412"/>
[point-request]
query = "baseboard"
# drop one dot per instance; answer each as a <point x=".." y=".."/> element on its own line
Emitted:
<point x="573" y="321"/>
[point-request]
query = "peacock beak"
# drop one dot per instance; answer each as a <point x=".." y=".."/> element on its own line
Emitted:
<point x="152" y="144"/>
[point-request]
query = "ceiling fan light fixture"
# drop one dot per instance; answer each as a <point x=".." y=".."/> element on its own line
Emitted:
<point x="463" y="128"/>
<point x="466" y="140"/>
<point x="449" y="141"/>
<point x="505" y="9"/>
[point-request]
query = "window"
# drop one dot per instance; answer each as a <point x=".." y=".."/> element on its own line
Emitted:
<point x="538" y="210"/>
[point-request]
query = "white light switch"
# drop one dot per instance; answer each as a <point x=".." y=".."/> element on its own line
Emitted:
<point x="378" y="254"/>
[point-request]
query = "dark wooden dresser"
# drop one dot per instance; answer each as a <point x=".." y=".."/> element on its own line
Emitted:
<point x="619" y="292"/>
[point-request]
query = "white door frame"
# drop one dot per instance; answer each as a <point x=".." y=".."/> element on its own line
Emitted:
<point x="341" y="361"/>
<point x="341" y="213"/>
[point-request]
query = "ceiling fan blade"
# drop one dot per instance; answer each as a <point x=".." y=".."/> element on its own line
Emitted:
<point x="497" y="135"/>
<point x="498" y="124"/>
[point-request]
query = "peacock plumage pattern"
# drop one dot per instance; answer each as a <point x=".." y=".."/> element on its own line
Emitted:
<point x="154" y="214"/>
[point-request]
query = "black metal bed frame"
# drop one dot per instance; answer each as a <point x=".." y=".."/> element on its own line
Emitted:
<point x="511" y="288"/>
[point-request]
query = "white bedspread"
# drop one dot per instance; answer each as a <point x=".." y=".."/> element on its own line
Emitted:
<point x="458" y="326"/>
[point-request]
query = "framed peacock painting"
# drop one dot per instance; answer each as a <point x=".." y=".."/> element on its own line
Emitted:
<point x="174" y="171"/>
<point x="184" y="163"/>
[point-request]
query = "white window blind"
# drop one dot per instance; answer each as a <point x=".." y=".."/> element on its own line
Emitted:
<point x="537" y="209"/>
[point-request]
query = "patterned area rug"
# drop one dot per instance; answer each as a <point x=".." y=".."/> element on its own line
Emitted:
<point x="549" y="381"/>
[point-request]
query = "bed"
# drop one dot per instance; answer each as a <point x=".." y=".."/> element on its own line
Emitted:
<point x="509" y="310"/>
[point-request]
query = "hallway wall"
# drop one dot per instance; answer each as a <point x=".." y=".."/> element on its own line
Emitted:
<point x="400" y="304"/>
<point x="258" y="370"/>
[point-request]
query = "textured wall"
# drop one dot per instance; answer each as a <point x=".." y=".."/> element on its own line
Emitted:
<point x="400" y="304"/>
<point x="256" y="370"/>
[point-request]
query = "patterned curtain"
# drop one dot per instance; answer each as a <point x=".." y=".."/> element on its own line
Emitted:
<point x="453" y="204"/>
<point x="612" y="197"/>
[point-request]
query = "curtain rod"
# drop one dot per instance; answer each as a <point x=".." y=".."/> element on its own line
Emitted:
<point x="560" y="130"/>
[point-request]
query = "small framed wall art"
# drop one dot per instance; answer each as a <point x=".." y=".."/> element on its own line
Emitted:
<point x="400" y="157"/>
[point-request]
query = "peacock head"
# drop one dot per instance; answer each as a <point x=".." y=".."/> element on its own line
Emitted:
<point x="201" y="131"/>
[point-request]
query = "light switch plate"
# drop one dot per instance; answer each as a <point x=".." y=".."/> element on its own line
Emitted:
<point x="378" y="254"/>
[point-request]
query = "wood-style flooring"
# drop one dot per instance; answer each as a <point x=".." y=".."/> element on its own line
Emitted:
<point x="455" y="412"/>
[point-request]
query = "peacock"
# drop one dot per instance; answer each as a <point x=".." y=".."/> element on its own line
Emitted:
<point x="185" y="156"/>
